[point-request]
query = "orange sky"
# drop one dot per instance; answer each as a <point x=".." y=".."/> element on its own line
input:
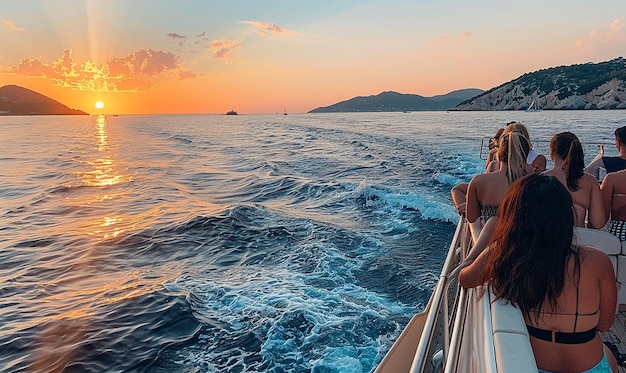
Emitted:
<point x="141" y="56"/>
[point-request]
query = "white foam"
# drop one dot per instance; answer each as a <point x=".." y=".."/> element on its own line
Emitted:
<point x="392" y="203"/>
<point x="331" y="324"/>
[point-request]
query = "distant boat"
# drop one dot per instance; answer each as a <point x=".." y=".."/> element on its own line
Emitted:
<point x="284" y="112"/>
<point x="533" y="107"/>
<point x="231" y="112"/>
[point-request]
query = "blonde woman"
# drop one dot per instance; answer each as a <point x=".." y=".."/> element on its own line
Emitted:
<point x="486" y="191"/>
<point x="536" y="161"/>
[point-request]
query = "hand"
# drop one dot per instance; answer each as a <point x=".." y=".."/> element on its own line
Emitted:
<point x="529" y="169"/>
<point x="601" y="149"/>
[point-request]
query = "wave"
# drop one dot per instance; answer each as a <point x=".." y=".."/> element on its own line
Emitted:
<point x="395" y="203"/>
<point x="113" y="336"/>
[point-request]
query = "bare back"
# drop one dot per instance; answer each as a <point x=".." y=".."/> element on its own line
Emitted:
<point x="582" y="305"/>
<point x="485" y="189"/>
<point x="614" y="194"/>
<point x="587" y="199"/>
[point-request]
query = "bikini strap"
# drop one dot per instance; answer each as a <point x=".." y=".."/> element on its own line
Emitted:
<point x="576" y="314"/>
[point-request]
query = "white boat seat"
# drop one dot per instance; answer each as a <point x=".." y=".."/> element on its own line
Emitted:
<point x="599" y="239"/>
<point x="612" y="246"/>
<point x="513" y="352"/>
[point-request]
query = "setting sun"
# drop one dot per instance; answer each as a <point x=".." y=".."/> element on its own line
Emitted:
<point x="99" y="105"/>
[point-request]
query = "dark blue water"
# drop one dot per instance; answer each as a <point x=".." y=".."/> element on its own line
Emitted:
<point x="251" y="243"/>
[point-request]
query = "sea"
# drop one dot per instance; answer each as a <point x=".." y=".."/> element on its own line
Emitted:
<point x="248" y="243"/>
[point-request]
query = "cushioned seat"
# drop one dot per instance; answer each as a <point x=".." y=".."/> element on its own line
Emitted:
<point x="611" y="245"/>
<point x="599" y="239"/>
<point x="511" y="343"/>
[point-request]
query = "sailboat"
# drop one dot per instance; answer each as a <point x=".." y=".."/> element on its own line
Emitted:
<point x="533" y="107"/>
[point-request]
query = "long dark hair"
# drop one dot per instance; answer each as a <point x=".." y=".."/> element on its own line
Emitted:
<point x="620" y="133"/>
<point x="567" y="146"/>
<point x="531" y="245"/>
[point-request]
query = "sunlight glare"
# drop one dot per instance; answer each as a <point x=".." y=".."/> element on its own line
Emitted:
<point x="99" y="104"/>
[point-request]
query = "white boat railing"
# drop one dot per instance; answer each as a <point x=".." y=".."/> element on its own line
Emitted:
<point x="466" y="330"/>
<point x="439" y="304"/>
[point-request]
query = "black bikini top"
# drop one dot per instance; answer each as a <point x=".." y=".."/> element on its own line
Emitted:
<point x="562" y="337"/>
<point x="565" y="337"/>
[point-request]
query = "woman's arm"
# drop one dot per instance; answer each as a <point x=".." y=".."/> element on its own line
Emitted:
<point x="596" y="163"/>
<point x="459" y="193"/>
<point x="598" y="215"/>
<point x="608" y="290"/>
<point x="472" y="207"/>
<point x="539" y="164"/>
<point x="470" y="276"/>
<point x="472" y="204"/>
<point x="606" y="193"/>
<point x="482" y="240"/>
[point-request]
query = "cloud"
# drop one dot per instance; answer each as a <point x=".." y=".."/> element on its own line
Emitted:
<point x="174" y="35"/>
<point x="465" y="35"/>
<point x="263" y="29"/>
<point x="612" y="36"/>
<point x="223" y="48"/>
<point x="135" y="72"/>
<point x="12" y="25"/>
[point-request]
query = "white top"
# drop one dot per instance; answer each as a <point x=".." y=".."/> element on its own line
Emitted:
<point x="532" y="154"/>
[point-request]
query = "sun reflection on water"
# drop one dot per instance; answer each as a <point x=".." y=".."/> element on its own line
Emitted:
<point x="104" y="172"/>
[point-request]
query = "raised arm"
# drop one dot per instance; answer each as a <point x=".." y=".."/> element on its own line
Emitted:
<point x="594" y="167"/>
<point x="539" y="164"/>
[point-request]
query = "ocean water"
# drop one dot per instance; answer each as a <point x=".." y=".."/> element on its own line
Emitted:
<point x="250" y="243"/>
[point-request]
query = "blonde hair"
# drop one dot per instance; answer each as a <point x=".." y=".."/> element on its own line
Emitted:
<point x="519" y="127"/>
<point x="513" y="150"/>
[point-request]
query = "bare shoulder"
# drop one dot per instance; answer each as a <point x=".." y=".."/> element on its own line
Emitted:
<point x="587" y="177"/>
<point x="589" y="180"/>
<point x="480" y="179"/>
<point x="613" y="177"/>
<point x="595" y="258"/>
<point x="550" y="172"/>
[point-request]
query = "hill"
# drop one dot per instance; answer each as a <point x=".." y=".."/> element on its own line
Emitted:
<point x="576" y="87"/>
<point x="394" y="101"/>
<point x="16" y="100"/>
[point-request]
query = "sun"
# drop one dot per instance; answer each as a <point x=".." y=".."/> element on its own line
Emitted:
<point x="99" y="104"/>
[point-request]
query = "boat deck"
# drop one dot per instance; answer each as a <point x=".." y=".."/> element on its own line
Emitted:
<point x="616" y="336"/>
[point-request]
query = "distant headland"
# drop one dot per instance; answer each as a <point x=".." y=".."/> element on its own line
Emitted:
<point x="587" y="86"/>
<point x="394" y="101"/>
<point x="16" y="100"/>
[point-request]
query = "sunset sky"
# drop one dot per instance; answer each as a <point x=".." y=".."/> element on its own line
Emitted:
<point x="266" y="56"/>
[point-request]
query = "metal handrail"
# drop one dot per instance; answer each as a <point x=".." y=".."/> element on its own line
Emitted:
<point x="438" y="301"/>
<point x="451" y="358"/>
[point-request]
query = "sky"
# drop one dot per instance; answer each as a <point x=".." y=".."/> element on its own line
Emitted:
<point x="270" y="56"/>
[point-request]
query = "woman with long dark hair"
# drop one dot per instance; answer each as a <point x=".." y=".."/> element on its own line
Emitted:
<point x="568" y="158"/>
<point x="566" y="293"/>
